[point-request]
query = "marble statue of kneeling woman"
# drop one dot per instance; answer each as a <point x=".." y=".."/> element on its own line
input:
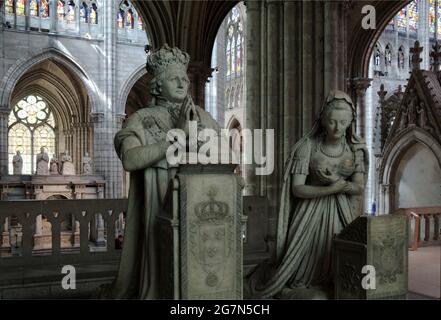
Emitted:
<point x="322" y="191"/>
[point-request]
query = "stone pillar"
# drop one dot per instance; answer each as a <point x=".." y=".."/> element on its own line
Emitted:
<point x="53" y="16"/>
<point x="106" y="118"/>
<point x="359" y="86"/>
<point x="100" y="240"/>
<point x="27" y="15"/>
<point x="253" y="88"/>
<point x="387" y="204"/>
<point x="272" y="108"/>
<point x="4" y="114"/>
<point x="198" y="75"/>
<point x="76" y="233"/>
<point x="39" y="225"/>
<point x="5" y="235"/>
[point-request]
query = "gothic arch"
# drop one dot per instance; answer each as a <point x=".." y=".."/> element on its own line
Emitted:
<point x="363" y="41"/>
<point x="397" y="148"/>
<point x="233" y="123"/>
<point x="21" y="66"/>
<point x="399" y="145"/>
<point x="128" y="85"/>
<point x="165" y="20"/>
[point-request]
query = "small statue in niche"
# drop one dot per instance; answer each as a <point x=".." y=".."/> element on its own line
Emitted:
<point x="42" y="163"/>
<point x="322" y="193"/>
<point x="421" y="111"/>
<point x="412" y="108"/>
<point x="17" y="163"/>
<point x="67" y="167"/>
<point x="54" y="165"/>
<point x="87" y="164"/>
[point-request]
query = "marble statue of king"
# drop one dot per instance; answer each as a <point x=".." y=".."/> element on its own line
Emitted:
<point x="141" y="145"/>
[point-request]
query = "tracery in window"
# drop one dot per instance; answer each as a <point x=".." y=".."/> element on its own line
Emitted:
<point x="31" y="126"/>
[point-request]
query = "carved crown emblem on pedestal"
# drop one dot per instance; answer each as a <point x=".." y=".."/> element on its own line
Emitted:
<point x="211" y="210"/>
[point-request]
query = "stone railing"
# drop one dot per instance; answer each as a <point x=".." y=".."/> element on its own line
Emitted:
<point x="424" y="226"/>
<point x="34" y="233"/>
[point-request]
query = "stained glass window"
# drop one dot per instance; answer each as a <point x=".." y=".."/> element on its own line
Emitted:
<point x="234" y="37"/>
<point x="9" y="7"/>
<point x="44" y="8"/>
<point x="228" y="57"/>
<point x="413" y="15"/>
<point x="31" y="126"/>
<point x="401" y="58"/>
<point x="60" y="10"/>
<point x="439" y="18"/>
<point x="388" y="56"/>
<point x="120" y="19"/>
<point x="431" y="16"/>
<point x="140" y="24"/>
<point x="377" y="57"/>
<point x="401" y="19"/>
<point x="70" y="14"/>
<point x="130" y="21"/>
<point x="94" y="14"/>
<point x="33" y="8"/>
<point x="21" y="7"/>
<point x="84" y="12"/>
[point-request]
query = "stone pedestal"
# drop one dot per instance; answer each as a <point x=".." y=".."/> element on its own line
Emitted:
<point x="374" y="241"/>
<point x="201" y="234"/>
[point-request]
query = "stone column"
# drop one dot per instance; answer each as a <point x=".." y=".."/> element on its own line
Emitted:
<point x="27" y="15"/>
<point x="198" y="75"/>
<point x="53" y="16"/>
<point x="5" y="235"/>
<point x="359" y="86"/>
<point x="253" y="88"/>
<point x="272" y="108"/>
<point x="105" y="118"/>
<point x="38" y="225"/>
<point x="4" y="114"/>
<point x="100" y="240"/>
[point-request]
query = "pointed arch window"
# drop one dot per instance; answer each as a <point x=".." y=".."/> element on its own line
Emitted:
<point x="60" y="10"/>
<point x="432" y="17"/>
<point x="140" y="24"/>
<point x="401" y="20"/>
<point x="9" y="7"/>
<point x="377" y="57"/>
<point x="401" y="58"/>
<point x="44" y="9"/>
<point x="20" y="9"/>
<point x="70" y="12"/>
<point x="94" y="14"/>
<point x="388" y="56"/>
<point x="31" y="127"/>
<point x="33" y="8"/>
<point x="127" y="17"/>
<point x="234" y="45"/>
<point x="413" y="15"/>
<point x="84" y="12"/>
<point x="130" y="20"/>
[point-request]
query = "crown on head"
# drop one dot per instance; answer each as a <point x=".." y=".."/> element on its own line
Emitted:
<point x="159" y="59"/>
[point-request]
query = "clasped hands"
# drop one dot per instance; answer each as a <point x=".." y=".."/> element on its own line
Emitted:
<point x="335" y="182"/>
<point x="188" y="113"/>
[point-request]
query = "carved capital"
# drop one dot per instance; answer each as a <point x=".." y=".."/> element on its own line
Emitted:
<point x="4" y="113"/>
<point x="97" y="117"/>
<point x="360" y="85"/>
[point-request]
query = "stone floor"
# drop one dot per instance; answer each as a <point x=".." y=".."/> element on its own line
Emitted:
<point x="425" y="272"/>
